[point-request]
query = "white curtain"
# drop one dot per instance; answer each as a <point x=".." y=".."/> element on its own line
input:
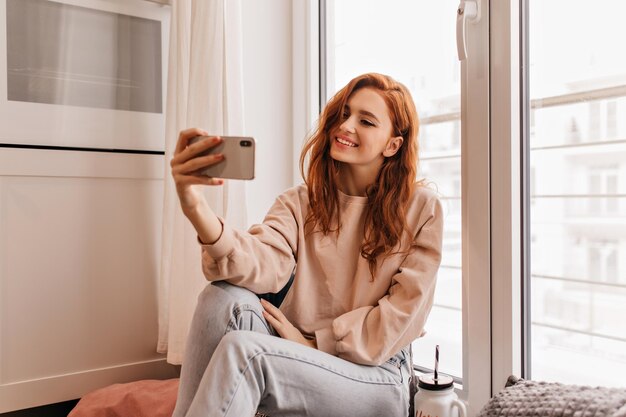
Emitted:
<point x="205" y="90"/>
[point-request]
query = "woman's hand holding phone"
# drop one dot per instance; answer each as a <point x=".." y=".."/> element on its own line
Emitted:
<point x="185" y="164"/>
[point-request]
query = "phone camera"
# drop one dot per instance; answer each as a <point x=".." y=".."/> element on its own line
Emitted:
<point x="245" y="143"/>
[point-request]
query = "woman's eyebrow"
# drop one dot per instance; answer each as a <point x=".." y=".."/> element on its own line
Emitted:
<point x="370" y="114"/>
<point x="364" y="112"/>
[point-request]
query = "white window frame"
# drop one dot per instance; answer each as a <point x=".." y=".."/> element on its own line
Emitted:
<point x="507" y="191"/>
<point x="305" y="75"/>
<point x="476" y="213"/>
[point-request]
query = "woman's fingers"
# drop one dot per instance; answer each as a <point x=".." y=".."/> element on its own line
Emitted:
<point x="274" y="315"/>
<point x="271" y="309"/>
<point x="189" y="159"/>
<point x="273" y="321"/>
<point x="185" y="135"/>
<point x="194" y="150"/>
<point x="198" y="179"/>
<point x="195" y="164"/>
<point x="283" y="327"/>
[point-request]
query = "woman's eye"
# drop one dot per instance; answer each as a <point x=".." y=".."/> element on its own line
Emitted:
<point x="367" y="122"/>
<point x="345" y="115"/>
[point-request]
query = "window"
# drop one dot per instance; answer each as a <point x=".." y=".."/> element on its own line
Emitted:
<point x="415" y="43"/>
<point x="553" y="162"/>
<point x="432" y="74"/>
<point x="602" y="260"/>
<point x="577" y="93"/>
<point x="602" y="182"/>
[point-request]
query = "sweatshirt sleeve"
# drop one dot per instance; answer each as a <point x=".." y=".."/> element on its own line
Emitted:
<point x="261" y="259"/>
<point x="370" y="335"/>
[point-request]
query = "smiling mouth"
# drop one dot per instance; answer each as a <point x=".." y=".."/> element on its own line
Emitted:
<point x="346" y="143"/>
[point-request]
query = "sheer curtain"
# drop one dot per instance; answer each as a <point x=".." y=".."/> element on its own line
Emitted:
<point x="204" y="89"/>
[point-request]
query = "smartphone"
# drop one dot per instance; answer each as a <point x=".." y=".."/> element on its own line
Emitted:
<point x="238" y="163"/>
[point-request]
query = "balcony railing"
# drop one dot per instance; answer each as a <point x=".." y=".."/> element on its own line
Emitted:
<point x="575" y="207"/>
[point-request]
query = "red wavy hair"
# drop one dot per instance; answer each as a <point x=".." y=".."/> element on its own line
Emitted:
<point x="389" y="195"/>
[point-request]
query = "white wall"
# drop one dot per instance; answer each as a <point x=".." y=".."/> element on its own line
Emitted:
<point x="267" y="60"/>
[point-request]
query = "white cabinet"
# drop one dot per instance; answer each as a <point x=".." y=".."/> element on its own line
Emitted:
<point x="79" y="263"/>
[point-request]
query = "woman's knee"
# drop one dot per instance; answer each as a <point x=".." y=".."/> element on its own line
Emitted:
<point x="221" y="293"/>
<point x="234" y="347"/>
<point x="236" y="307"/>
<point x="244" y="343"/>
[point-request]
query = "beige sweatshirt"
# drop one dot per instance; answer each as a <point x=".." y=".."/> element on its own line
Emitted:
<point x="333" y="297"/>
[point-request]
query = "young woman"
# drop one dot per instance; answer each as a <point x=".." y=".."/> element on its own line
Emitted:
<point x="361" y="241"/>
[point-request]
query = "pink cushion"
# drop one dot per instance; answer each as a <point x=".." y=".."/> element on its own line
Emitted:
<point x="152" y="398"/>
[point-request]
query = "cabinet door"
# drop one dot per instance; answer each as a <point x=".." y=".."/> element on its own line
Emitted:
<point x="79" y="263"/>
<point x="88" y="74"/>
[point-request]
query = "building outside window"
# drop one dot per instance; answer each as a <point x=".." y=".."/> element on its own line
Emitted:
<point x="578" y="157"/>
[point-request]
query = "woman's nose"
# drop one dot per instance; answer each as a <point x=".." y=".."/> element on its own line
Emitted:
<point x="347" y="125"/>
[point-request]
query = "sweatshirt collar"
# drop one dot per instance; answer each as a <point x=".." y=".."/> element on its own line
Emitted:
<point x="352" y="199"/>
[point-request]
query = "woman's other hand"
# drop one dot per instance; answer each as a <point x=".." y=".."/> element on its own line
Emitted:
<point x="186" y="163"/>
<point x="285" y="329"/>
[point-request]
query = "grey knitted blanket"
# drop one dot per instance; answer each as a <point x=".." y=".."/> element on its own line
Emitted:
<point x="533" y="398"/>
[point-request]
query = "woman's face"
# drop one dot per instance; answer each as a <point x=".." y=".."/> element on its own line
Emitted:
<point x="364" y="135"/>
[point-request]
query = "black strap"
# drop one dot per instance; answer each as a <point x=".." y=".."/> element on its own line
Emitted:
<point x="277" y="298"/>
<point x="412" y="384"/>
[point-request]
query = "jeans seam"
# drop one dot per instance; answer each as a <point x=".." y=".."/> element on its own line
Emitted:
<point x="304" y="360"/>
<point x="398" y="363"/>
<point x="237" y="310"/>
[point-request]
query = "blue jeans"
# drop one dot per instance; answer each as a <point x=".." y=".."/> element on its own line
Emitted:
<point x="236" y="364"/>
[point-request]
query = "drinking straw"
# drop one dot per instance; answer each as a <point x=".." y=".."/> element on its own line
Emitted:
<point x="436" y="363"/>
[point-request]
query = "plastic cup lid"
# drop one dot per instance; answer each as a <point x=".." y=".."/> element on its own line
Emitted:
<point x="428" y="382"/>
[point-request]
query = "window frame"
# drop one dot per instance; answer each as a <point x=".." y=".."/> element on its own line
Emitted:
<point x="306" y="74"/>
<point x="510" y="189"/>
<point x="476" y="212"/>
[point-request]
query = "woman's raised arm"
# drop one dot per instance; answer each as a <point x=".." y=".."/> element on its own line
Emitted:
<point x="185" y="164"/>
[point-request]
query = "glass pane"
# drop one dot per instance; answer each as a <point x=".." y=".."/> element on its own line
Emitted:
<point x="115" y="68"/>
<point x="414" y="43"/>
<point x="578" y="191"/>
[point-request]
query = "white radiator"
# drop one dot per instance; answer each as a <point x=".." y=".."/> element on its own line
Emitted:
<point x="79" y="263"/>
